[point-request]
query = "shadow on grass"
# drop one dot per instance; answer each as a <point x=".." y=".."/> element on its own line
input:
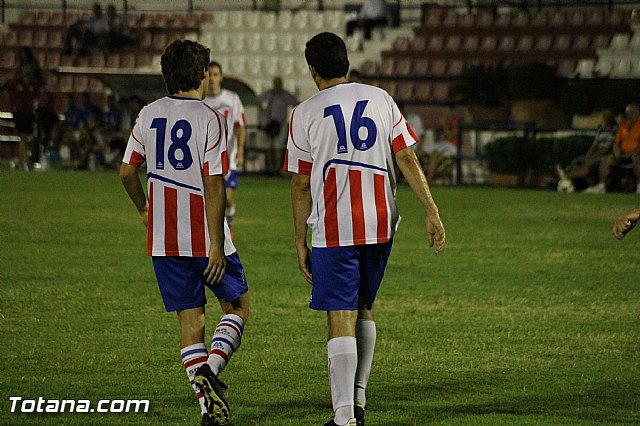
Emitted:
<point x="603" y="401"/>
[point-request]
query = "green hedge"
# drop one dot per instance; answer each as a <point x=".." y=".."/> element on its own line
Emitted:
<point x="511" y="154"/>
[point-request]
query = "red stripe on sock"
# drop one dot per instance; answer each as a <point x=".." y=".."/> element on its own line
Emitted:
<point x="200" y="359"/>
<point x="219" y="353"/>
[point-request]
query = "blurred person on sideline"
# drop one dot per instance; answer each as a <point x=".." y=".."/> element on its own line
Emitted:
<point x="274" y="104"/>
<point x="341" y="150"/>
<point x="22" y="91"/>
<point x="626" y="150"/>
<point x="373" y="13"/>
<point x="119" y="34"/>
<point x="86" y="32"/>
<point x="184" y="144"/>
<point x="228" y="104"/>
<point x="585" y="168"/>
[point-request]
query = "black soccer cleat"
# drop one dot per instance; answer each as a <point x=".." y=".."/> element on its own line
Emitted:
<point x="359" y="413"/>
<point x="212" y="389"/>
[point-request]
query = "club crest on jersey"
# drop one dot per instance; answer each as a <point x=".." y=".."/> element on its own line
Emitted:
<point x="342" y="149"/>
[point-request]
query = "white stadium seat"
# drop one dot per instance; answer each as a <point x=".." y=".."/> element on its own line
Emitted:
<point x="585" y="68"/>
<point x="619" y="42"/>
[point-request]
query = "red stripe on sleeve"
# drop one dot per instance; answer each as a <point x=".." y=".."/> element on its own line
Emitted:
<point x="398" y="143"/>
<point x="304" y="167"/>
<point x="196" y="207"/>
<point x="150" y="223"/>
<point x="170" y="222"/>
<point x="381" y="208"/>
<point x="224" y="157"/>
<point x="357" y="208"/>
<point x="285" y="162"/>
<point x="412" y="133"/>
<point x="332" y="235"/>
<point x="136" y="159"/>
<point x="205" y="169"/>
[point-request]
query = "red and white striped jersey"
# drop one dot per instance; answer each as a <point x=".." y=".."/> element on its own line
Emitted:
<point x="182" y="140"/>
<point x="344" y="137"/>
<point x="228" y="104"/>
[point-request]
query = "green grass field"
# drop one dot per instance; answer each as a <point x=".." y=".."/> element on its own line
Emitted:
<point x="531" y="315"/>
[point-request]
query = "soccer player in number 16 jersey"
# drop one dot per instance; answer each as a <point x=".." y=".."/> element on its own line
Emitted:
<point x="184" y="143"/>
<point x="342" y="142"/>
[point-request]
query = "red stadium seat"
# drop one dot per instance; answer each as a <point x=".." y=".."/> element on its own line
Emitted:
<point x="581" y="42"/>
<point x="81" y="83"/>
<point x="401" y="44"/>
<point x="55" y="39"/>
<point x="43" y="19"/>
<point x="128" y="60"/>
<point x="507" y="44"/>
<point x="40" y="39"/>
<point x="390" y="86"/>
<point x="558" y="19"/>
<point x="435" y="43"/>
<point x="539" y="19"/>
<point x="439" y="68"/>
<point x="97" y="60"/>
<point x="405" y="91"/>
<point x="388" y="67"/>
<point x="576" y="18"/>
<point x="502" y="20"/>
<point x="450" y="19"/>
<point x="65" y="83"/>
<point x="562" y="43"/>
<point x="25" y="37"/>
<point x="403" y="67"/>
<point x="422" y="91"/>
<point x="543" y="43"/>
<point x="8" y="59"/>
<point x="28" y="18"/>
<point x="113" y="60"/>
<point x="419" y="43"/>
<point x="53" y="59"/>
<point x="57" y="18"/>
<point x="11" y="39"/>
<point x="470" y="44"/>
<point x="370" y="67"/>
<point x="484" y="19"/>
<point x="455" y="68"/>
<point x="440" y="92"/>
<point x="488" y="43"/>
<point x="453" y="43"/>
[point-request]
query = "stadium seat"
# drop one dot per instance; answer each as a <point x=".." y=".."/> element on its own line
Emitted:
<point x="43" y="18"/>
<point x="65" y="82"/>
<point x="525" y="43"/>
<point x="450" y="19"/>
<point x="539" y="19"/>
<point x="55" y="39"/>
<point x="51" y="83"/>
<point x="388" y="67"/>
<point x="520" y="19"/>
<point x="391" y="87"/>
<point x="596" y="18"/>
<point x="273" y="42"/>
<point x="622" y="68"/>
<point x="113" y="61"/>
<point x="334" y="21"/>
<point x="566" y="68"/>
<point x="634" y="42"/>
<point x="287" y="66"/>
<point x="405" y="91"/>
<point x="401" y="44"/>
<point x="558" y="19"/>
<point x="370" y="67"/>
<point x="619" y="41"/>
<point x="403" y="67"/>
<point x="301" y="19"/>
<point x="237" y="42"/>
<point x="419" y="43"/>
<point x="562" y="43"/>
<point x="284" y="19"/>
<point x="268" y="20"/>
<point x="581" y="43"/>
<point x="438" y="68"/>
<point x="576" y="18"/>
<point x="285" y="42"/>
<point x="420" y="67"/>
<point x="254" y="41"/>
<point x="221" y="19"/>
<point x="488" y="43"/>
<point x="456" y="66"/>
<point x="316" y="21"/>
<point x="615" y="17"/>
<point x="603" y="67"/>
<point x="41" y="58"/>
<point x="97" y="60"/>
<point x="238" y="65"/>
<point x="160" y="41"/>
<point x="146" y="40"/>
<point x="81" y="84"/>
<point x="466" y="20"/>
<point x="128" y="60"/>
<point x="433" y="18"/>
<point x="502" y="20"/>
<point x="484" y="19"/>
<point x="133" y="20"/>
<point x="8" y="59"/>
<point x="543" y="43"/>
<point x="453" y="43"/>
<point x="435" y="43"/>
<point x="251" y="20"/>
<point x="422" y="91"/>
<point x="270" y="65"/>
<point x="601" y="41"/>
<point x="28" y="18"/>
<point x="440" y="92"/>
<point x="507" y="44"/>
<point x="470" y="44"/>
<point x="53" y="59"/>
<point x="25" y="37"/>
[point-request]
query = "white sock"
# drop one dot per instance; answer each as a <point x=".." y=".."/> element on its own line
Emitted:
<point x="366" y="341"/>
<point x="193" y="357"/>
<point x="343" y="362"/>
<point x="225" y="341"/>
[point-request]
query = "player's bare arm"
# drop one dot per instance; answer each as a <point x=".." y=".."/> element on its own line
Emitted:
<point x="240" y="135"/>
<point x="410" y="167"/>
<point x="131" y="182"/>
<point x="625" y="223"/>
<point x="215" y="201"/>
<point x="301" y="203"/>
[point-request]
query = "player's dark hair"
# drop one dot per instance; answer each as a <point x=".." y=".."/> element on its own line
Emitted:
<point x="327" y="54"/>
<point x="183" y="65"/>
<point x="215" y="64"/>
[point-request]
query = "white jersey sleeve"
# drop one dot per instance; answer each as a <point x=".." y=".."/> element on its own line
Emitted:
<point x="297" y="158"/>
<point x="216" y="161"/>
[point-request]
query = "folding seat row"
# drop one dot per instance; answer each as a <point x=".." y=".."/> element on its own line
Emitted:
<point x="72" y="83"/>
<point x="285" y="20"/>
<point x="414" y="91"/>
<point x="419" y="67"/>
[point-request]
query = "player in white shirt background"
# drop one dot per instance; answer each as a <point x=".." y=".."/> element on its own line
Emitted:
<point x="341" y="147"/>
<point x="184" y="144"/>
<point x="228" y="104"/>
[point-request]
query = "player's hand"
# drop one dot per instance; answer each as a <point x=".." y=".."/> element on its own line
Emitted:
<point x="624" y="224"/>
<point x="435" y="231"/>
<point x="216" y="266"/>
<point x="304" y="263"/>
<point x="145" y="218"/>
<point x="240" y="159"/>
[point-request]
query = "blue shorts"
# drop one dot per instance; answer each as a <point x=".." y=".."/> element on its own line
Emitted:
<point x="181" y="281"/>
<point x="342" y="275"/>
<point x="231" y="180"/>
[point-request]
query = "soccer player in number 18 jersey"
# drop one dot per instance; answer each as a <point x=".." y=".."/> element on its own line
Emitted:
<point x="341" y="147"/>
<point x="183" y="142"/>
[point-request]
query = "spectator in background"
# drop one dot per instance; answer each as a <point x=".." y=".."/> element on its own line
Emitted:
<point x="22" y="91"/>
<point x="354" y="76"/>
<point x="112" y="121"/>
<point x="89" y="109"/>
<point x="626" y="150"/>
<point x="373" y="13"/>
<point x="119" y="34"/>
<point x="72" y="114"/>
<point x="91" y="31"/>
<point x="46" y="120"/>
<point x="585" y="167"/>
<point x="275" y="103"/>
